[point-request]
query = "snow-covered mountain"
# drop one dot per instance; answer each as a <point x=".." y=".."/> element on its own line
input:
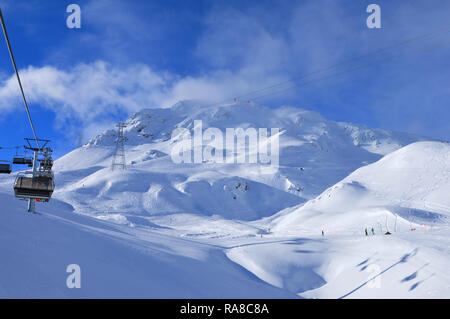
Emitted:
<point x="409" y="185"/>
<point x="161" y="229"/>
<point x="315" y="153"/>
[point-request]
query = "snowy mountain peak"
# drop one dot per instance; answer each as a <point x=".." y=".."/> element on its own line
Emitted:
<point x="315" y="153"/>
<point x="155" y="125"/>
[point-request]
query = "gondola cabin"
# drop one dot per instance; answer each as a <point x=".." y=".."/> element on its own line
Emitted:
<point x="18" y="160"/>
<point x="39" y="187"/>
<point x="5" y="168"/>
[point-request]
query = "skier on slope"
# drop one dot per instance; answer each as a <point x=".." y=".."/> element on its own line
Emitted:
<point x="367" y="234"/>
<point x="323" y="234"/>
<point x="373" y="231"/>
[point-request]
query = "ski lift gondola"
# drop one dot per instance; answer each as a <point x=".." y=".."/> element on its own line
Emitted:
<point x="38" y="184"/>
<point x="18" y="160"/>
<point x="22" y="159"/>
<point x="38" y="187"/>
<point x="5" y="167"/>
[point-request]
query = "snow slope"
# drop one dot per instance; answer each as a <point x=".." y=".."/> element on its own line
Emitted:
<point x="160" y="229"/>
<point x="406" y="193"/>
<point x="409" y="185"/>
<point x="116" y="261"/>
<point x="403" y="265"/>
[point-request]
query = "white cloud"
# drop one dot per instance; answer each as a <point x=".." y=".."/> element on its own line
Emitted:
<point x="90" y="96"/>
<point x="86" y="93"/>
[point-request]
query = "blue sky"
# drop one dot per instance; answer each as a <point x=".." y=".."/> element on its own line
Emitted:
<point x="133" y="54"/>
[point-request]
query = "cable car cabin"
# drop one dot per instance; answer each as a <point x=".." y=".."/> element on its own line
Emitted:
<point x="5" y="168"/>
<point x="22" y="161"/>
<point x="18" y="160"/>
<point x="38" y="187"/>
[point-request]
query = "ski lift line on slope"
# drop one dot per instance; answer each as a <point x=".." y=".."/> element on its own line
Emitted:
<point x="334" y="66"/>
<point x="18" y="77"/>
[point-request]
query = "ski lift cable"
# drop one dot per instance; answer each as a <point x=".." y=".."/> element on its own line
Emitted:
<point x="342" y="63"/>
<point x="18" y="78"/>
<point x="300" y="85"/>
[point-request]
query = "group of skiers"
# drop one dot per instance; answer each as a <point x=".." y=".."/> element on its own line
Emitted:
<point x="365" y="230"/>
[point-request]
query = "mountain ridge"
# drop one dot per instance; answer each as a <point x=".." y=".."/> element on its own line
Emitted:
<point x="315" y="153"/>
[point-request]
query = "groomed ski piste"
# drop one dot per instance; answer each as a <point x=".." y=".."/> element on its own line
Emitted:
<point x="164" y="230"/>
